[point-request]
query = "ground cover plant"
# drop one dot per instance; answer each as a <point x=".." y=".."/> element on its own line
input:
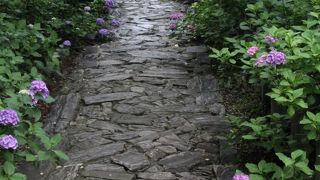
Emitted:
<point x="273" y="45"/>
<point x="35" y="35"/>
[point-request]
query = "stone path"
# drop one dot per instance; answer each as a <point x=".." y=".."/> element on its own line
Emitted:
<point x="141" y="107"/>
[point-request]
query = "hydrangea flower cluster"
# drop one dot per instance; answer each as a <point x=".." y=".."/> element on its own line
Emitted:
<point x="273" y="58"/>
<point x="109" y="4"/>
<point x="252" y="50"/>
<point x="241" y="177"/>
<point x="270" y="39"/>
<point x="38" y="87"/>
<point x="100" y="21"/>
<point x="66" y="43"/>
<point x="8" y="142"/>
<point x="176" y="16"/>
<point x="9" y="117"/>
<point x="173" y="26"/>
<point x="115" y="23"/>
<point x="104" y="32"/>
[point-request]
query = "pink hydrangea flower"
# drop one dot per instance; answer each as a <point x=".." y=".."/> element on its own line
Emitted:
<point x="241" y="176"/>
<point x="252" y="50"/>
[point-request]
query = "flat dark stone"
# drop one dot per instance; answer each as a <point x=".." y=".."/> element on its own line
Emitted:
<point x="131" y="160"/>
<point x="113" y="77"/>
<point x="97" y="152"/>
<point x="100" y="98"/>
<point x="110" y="175"/>
<point x="181" y="162"/>
<point x="157" y="176"/>
<point x="129" y="109"/>
<point x="69" y="111"/>
<point x="132" y="119"/>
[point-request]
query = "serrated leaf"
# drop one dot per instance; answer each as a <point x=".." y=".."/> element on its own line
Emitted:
<point x="252" y="168"/>
<point x="61" y="155"/>
<point x="304" y="168"/>
<point x="286" y="160"/>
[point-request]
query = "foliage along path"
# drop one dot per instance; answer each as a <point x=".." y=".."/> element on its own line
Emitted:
<point x="141" y="107"/>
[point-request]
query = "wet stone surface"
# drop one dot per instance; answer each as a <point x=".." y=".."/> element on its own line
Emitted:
<point x="140" y="107"/>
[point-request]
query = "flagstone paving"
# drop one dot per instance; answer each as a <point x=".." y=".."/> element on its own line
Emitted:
<point x="141" y="107"/>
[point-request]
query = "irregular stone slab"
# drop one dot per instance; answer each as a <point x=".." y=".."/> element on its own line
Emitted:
<point x="100" y="98"/>
<point x="159" y="55"/>
<point x="168" y="149"/>
<point x="175" y="141"/>
<point x="69" y="112"/>
<point x="146" y="135"/>
<point x="208" y="98"/>
<point x="196" y="49"/>
<point x="181" y="162"/>
<point x="189" y="176"/>
<point x="224" y="172"/>
<point x="104" y="167"/>
<point x="129" y="109"/>
<point x="97" y="152"/>
<point x="66" y="172"/>
<point x="157" y="176"/>
<point x="182" y="109"/>
<point x="110" y="175"/>
<point x="165" y="73"/>
<point x="132" y="119"/>
<point x="104" y="125"/>
<point x="156" y="154"/>
<point x="138" y="89"/>
<point x="216" y="124"/>
<point x="206" y="83"/>
<point x="113" y="77"/>
<point x="131" y="160"/>
<point x="124" y="136"/>
<point x="109" y="62"/>
<point x="148" y="80"/>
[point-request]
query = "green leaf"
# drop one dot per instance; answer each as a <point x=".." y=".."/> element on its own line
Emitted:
<point x="18" y="176"/>
<point x="252" y="168"/>
<point x="317" y="167"/>
<point x="55" y="140"/>
<point x="256" y="177"/>
<point x="42" y="156"/>
<point x="61" y="155"/>
<point x="286" y="160"/>
<point x="248" y="137"/>
<point x="30" y="157"/>
<point x="301" y="103"/>
<point x="295" y="154"/>
<point x="8" y="168"/>
<point x="291" y="111"/>
<point x="304" y="168"/>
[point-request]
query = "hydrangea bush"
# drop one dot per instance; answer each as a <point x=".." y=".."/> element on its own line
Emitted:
<point x="34" y="37"/>
<point x="274" y="45"/>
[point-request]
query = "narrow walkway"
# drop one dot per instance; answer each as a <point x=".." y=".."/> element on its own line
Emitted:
<point x="141" y="107"/>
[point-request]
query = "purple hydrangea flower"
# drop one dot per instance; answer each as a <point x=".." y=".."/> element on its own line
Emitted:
<point x="67" y="43"/>
<point x="241" y="177"/>
<point x="38" y="87"/>
<point x="109" y="3"/>
<point x="8" y="142"/>
<point x="270" y="39"/>
<point x="261" y="60"/>
<point x="276" y="58"/>
<point x="173" y="26"/>
<point x="252" y="50"/>
<point x="87" y="8"/>
<point x="9" y="117"/>
<point x="176" y="16"/>
<point x="104" y="32"/>
<point x="100" y="21"/>
<point x="115" y="23"/>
